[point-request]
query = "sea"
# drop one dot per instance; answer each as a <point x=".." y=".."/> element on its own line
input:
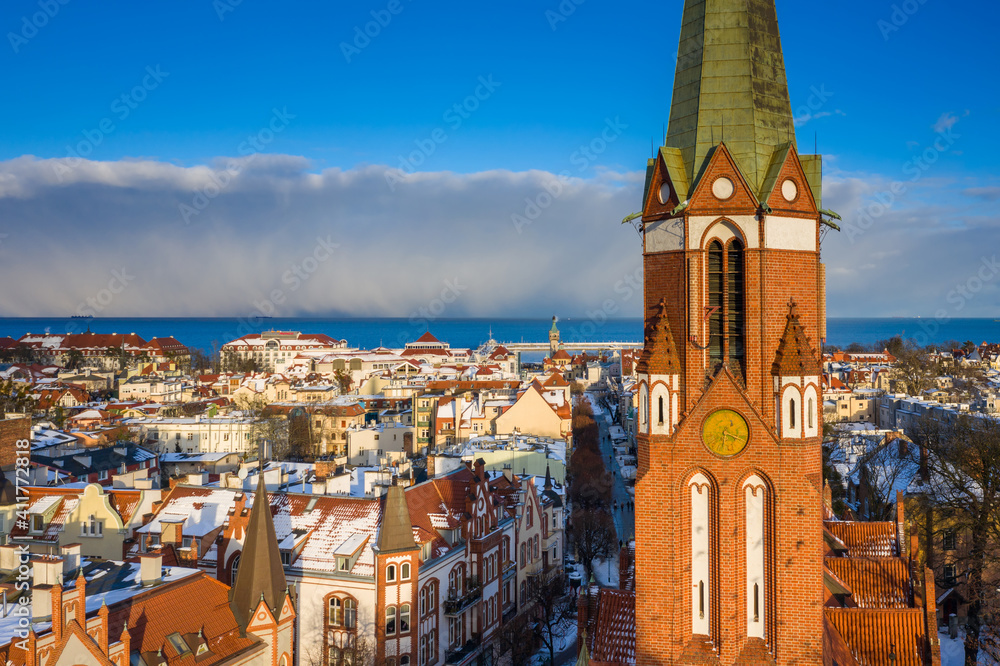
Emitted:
<point x="368" y="333"/>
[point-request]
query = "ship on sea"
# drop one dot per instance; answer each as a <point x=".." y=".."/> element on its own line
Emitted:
<point x="82" y="317"/>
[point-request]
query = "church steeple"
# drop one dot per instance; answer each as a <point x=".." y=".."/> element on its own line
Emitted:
<point x="260" y="576"/>
<point x="730" y="86"/>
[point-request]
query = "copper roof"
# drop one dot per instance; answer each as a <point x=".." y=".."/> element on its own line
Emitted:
<point x="395" y="534"/>
<point x="795" y="356"/>
<point x="261" y="575"/>
<point x="659" y="354"/>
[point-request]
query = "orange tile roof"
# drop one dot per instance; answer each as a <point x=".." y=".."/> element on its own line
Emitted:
<point x="865" y="539"/>
<point x="614" y="634"/>
<point x="125" y="503"/>
<point x="875" y="583"/>
<point x="197" y="603"/>
<point x="874" y="634"/>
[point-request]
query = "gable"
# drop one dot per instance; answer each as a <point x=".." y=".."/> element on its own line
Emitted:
<point x="786" y="188"/>
<point x="721" y="188"/>
<point x="724" y="393"/>
<point x="78" y="649"/>
<point x="667" y="187"/>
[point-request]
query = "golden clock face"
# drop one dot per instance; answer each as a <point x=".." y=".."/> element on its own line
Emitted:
<point x="725" y="433"/>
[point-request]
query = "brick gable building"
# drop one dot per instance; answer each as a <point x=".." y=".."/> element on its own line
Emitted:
<point x="730" y="478"/>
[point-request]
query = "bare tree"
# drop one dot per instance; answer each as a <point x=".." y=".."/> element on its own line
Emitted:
<point x="591" y="532"/>
<point x="267" y="430"/>
<point x="554" y="611"/>
<point x="883" y="468"/>
<point x="509" y="645"/>
<point x="15" y="397"/>
<point x="914" y="369"/>
<point x="960" y="458"/>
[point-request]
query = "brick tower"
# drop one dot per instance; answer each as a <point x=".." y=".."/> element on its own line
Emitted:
<point x="729" y="545"/>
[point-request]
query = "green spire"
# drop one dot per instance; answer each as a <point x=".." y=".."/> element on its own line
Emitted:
<point x="730" y="86"/>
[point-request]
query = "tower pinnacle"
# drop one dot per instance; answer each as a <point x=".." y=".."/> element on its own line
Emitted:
<point x="730" y="86"/>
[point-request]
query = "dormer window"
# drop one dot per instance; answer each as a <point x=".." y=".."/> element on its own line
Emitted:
<point x="37" y="523"/>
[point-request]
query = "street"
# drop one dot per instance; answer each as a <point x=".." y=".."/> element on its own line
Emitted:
<point x="622" y="506"/>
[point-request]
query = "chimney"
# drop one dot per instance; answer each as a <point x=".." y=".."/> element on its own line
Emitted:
<point x="71" y="559"/>
<point x="319" y="487"/>
<point x="151" y="569"/>
<point x="198" y="478"/>
<point x="48" y="570"/>
<point x="9" y="558"/>
<point x="172" y="531"/>
<point x="41" y="603"/>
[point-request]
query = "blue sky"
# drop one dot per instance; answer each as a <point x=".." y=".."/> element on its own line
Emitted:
<point x="888" y="79"/>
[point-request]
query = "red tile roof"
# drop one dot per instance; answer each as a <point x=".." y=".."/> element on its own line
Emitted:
<point x="873" y="634"/>
<point x="875" y="583"/>
<point x="427" y="337"/>
<point x="194" y="604"/>
<point x="614" y="634"/>
<point x="865" y="539"/>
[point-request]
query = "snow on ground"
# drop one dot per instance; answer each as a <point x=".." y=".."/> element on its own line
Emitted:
<point x="953" y="651"/>
<point x="606" y="573"/>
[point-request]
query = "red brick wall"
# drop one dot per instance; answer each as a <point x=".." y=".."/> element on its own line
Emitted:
<point x="793" y="608"/>
<point x="12" y="431"/>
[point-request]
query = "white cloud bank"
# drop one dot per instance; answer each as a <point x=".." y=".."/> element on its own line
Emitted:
<point x="268" y="234"/>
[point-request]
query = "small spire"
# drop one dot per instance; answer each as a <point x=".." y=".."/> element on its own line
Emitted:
<point x="795" y="356"/>
<point x="548" y="477"/>
<point x="659" y="353"/>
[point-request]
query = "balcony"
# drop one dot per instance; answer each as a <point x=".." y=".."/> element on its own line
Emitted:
<point x="509" y="612"/>
<point x="457" y="603"/>
<point x="460" y="656"/>
<point x="508" y="570"/>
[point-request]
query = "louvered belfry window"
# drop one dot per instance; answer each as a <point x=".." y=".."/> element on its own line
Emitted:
<point x="727" y="303"/>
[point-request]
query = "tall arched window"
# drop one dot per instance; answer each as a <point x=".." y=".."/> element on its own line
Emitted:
<point x="726" y="288"/>
<point x="390" y="573"/>
<point x="390" y="621"/>
<point x="701" y="589"/>
<point x="755" y="497"/>
<point x="404" y="618"/>
<point x="661" y="409"/>
<point x="791" y="412"/>
<point x="404" y="571"/>
<point x="233" y="569"/>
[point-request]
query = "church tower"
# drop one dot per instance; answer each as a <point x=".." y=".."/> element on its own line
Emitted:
<point x="729" y="546"/>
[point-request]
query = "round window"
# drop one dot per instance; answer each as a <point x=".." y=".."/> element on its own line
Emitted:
<point x="723" y="188"/>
